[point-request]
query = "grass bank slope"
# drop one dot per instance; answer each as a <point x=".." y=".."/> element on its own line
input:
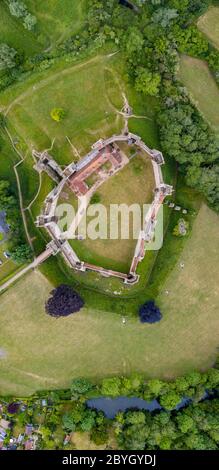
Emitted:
<point x="204" y="91"/>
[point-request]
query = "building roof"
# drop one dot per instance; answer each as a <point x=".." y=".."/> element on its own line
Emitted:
<point x="29" y="445"/>
<point x="4" y="424"/>
<point x="28" y="429"/>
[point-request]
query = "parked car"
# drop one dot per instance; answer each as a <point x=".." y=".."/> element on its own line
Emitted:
<point x="7" y="255"/>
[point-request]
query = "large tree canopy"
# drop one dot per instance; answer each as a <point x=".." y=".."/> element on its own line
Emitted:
<point x="63" y="302"/>
<point x="149" y="313"/>
<point x="7" y="57"/>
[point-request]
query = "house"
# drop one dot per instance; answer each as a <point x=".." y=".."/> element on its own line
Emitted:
<point x="28" y="429"/>
<point x="29" y="445"/>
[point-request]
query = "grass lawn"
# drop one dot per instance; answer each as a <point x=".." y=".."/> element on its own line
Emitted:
<point x="42" y="352"/>
<point x="82" y="441"/>
<point x="8" y="266"/>
<point x="57" y="19"/>
<point x="134" y="184"/>
<point x="197" y="77"/>
<point x="209" y="25"/>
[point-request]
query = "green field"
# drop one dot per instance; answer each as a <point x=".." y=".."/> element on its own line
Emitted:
<point x="209" y="25"/>
<point x="80" y="91"/>
<point x="202" y="87"/>
<point x="15" y="35"/>
<point x="57" y="19"/>
<point x="43" y="352"/>
<point x="40" y="352"/>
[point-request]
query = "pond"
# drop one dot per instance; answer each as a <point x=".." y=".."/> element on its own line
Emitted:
<point x="128" y="4"/>
<point x="112" y="406"/>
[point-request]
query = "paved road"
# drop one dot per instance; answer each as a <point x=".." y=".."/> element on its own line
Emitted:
<point x="42" y="257"/>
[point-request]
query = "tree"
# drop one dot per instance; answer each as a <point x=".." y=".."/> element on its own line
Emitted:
<point x="22" y="253"/>
<point x="170" y="400"/>
<point x="57" y="114"/>
<point x="163" y="16"/>
<point x="111" y="386"/>
<point x="30" y="22"/>
<point x="88" y="421"/>
<point x="149" y="313"/>
<point x="155" y="386"/>
<point x="185" y="423"/>
<point x="68" y="422"/>
<point x="81" y="387"/>
<point x="194" y="378"/>
<point x="212" y="378"/>
<point x="135" y="417"/>
<point x="134" y="41"/>
<point x="99" y="436"/>
<point x="17" y="8"/>
<point x="190" y="41"/>
<point x="181" y="384"/>
<point x="147" y="82"/>
<point x="7" y="200"/>
<point x="7" y="57"/>
<point x="63" y="302"/>
<point x="209" y="185"/>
